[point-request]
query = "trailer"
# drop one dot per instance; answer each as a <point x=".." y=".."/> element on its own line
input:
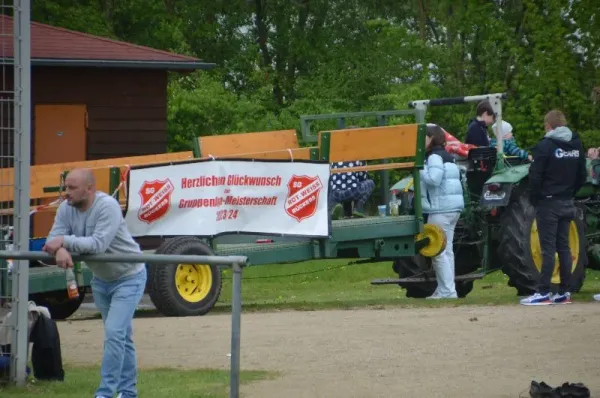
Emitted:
<point x="288" y="234"/>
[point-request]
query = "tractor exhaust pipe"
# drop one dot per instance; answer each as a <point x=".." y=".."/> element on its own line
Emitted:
<point x="457" y="100"/>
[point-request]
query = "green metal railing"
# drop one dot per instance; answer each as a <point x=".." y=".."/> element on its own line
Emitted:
<point x="381" y="117"/>
<point x="237" y="263"/>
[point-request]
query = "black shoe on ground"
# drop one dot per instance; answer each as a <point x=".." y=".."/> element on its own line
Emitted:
<point x="541" y="390"/>
<point x="573" y="390"/>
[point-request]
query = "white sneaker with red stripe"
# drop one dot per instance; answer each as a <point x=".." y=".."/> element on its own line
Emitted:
<point x="537" y="299"/>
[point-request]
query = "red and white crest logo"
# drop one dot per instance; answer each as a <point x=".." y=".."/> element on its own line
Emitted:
<point x="303" y="196"/>
<point x="156" y="200"/>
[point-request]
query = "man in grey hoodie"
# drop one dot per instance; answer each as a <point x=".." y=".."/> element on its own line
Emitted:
<point x="556" y="174"/>
<point x="91" y="222"/>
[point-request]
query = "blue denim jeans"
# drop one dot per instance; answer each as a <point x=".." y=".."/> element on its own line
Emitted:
<point x="117" y="302"/>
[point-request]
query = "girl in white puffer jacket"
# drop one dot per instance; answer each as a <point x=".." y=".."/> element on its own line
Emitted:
<point x="443" y="201"/>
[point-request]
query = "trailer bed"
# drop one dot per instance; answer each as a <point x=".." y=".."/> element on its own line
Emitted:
<point x="44" y="279"/>
<point x="351" y="238"/>
<point x="348" y="234"/>
<point x="269" y="253"/>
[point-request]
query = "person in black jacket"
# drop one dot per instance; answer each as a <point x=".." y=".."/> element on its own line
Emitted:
<point x="556" y="174"/>
<point x="477" y="134"/>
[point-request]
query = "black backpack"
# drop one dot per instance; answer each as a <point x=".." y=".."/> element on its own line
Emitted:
<point x="46" y="356"/>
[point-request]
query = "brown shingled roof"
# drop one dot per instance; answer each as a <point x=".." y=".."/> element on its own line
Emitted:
<point x="51" y="45"/>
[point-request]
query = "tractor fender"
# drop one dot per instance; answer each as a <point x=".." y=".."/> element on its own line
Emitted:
<point x="497" y="190"/>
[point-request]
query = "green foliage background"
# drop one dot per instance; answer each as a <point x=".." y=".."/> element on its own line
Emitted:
<point x="279" y="59"/>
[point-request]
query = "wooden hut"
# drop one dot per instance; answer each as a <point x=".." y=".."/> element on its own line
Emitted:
<point x="92" y="98"/>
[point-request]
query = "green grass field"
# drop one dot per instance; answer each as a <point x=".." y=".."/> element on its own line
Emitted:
<point x="312" y="285"/>
<point x="327" y="284"/>
<point x="160" y="383"/>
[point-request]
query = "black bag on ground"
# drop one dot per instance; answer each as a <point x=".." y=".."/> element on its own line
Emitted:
<point x="46" y="356"/>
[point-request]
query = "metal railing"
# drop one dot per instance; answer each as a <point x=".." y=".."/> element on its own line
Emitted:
<point x="237" y="263"/>
<point x="15" y="153"/>
<point x="380" y="116"/>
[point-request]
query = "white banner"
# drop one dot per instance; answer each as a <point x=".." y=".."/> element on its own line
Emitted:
<point x="219" y="196"/>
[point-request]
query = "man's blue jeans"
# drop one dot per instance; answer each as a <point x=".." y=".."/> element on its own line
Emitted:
<point x="117" y="302"/>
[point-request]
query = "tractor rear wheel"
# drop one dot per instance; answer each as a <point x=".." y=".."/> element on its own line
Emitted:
<point x="520" y="253"/>
<point x="184" y="289"/>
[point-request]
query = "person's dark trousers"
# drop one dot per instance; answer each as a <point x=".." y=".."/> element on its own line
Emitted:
<point x="347" y="208"/>
<point x="358" y="194"/>
<point x="553" y="217"/>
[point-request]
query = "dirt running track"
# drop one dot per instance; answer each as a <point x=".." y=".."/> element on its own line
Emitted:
<point x="448" y="352"/>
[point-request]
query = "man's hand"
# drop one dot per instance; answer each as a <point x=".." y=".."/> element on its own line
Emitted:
<point x="64" y="259"/>
<point x="53" y="245"/>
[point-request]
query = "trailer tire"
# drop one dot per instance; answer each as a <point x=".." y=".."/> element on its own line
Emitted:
<point x="519" y="261"/>
<point x="184" y="289"/>
<point x="58" y="303"/>
<point x="466" y="258"/>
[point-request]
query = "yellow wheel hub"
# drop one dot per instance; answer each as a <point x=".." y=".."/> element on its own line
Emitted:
<point x="193" y="281"/>
<point x="536" y="251"/>
<point x="437" y="240"/>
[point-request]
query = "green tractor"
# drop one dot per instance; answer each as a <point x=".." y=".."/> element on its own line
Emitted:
<point x="497" y="229"/>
